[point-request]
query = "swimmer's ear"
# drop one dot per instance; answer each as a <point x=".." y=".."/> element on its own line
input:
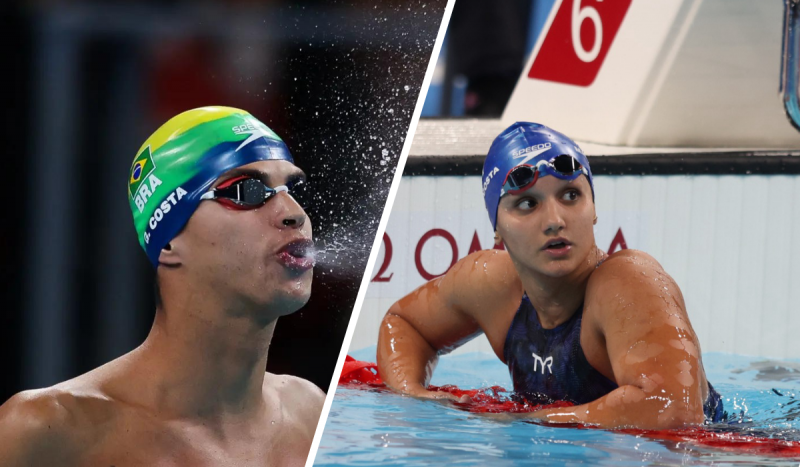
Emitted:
<point x="497" y="238"/>
<point x="169" y="256"/>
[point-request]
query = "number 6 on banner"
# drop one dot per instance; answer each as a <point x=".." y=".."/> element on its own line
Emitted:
<point x="578" y="25"/>
<point x="578" y="15"/>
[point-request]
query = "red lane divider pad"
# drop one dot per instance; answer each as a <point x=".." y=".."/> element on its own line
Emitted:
<point x="486" y="400"/>
<point x="355" y="373"/>
<point x="364" y="375"/>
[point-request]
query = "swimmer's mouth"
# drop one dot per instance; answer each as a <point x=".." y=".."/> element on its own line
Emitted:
<point x="297" y="254"/>
<point x="557" y="244"/>
<point x="299" y="248"/>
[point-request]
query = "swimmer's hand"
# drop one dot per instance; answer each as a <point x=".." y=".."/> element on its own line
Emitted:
<point x="422" y="393"/>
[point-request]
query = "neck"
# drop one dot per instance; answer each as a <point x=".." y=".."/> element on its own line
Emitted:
<point x="556" y="299"/>
<point x="204" y="358"/>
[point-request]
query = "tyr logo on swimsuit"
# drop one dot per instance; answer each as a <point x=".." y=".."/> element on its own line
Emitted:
<point x="547" y="362"/>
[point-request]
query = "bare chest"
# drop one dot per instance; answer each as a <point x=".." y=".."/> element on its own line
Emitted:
<point x="131" y="441"/>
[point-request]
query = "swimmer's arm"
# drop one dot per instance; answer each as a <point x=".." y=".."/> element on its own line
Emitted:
<point x="654" y="353"/>
<point x="432" y="320"/>
<point x="32" y="432"/>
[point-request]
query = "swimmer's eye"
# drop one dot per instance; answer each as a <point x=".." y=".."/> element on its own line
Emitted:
<point x="571" y="195"/>
<point x="525" y="203"/>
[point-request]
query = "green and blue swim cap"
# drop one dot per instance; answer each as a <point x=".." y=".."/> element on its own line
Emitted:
<point x="183" y="158"/>
<point x="530" y="144"/>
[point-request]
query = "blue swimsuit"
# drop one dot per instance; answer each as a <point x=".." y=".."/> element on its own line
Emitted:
<point x="548" y="365"/>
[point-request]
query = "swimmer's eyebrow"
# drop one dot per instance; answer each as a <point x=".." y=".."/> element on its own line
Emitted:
<point x="296" y="176"/>
<point x="292" y="177"/>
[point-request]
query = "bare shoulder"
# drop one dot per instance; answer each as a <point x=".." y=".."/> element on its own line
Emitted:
<point x="623" y="266"/>
<point x="632" y="276"/>
<point x="301" y="399"/>
<point x="56" y="425"/>
<point x="481" y="280"/>
<point x="629" y="259"/>
<point x="492" y="267"/>
<point x="37" y="426"/>
<point x="37" y="409"/>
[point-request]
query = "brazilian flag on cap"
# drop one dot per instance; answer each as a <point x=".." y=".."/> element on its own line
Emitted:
<point x="142" y="167"/>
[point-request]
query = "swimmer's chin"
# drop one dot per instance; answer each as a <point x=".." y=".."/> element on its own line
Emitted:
<point x="555" y="269"/>
<point x="293" y="299"/>
<point x="558" y="272"/>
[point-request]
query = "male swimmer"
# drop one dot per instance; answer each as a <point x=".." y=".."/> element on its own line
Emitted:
<point x="211" y="195"/>
<point x="609" y="333"/>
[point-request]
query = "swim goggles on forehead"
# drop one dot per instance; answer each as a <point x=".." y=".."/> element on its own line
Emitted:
<point x="522" y="177"/>
<point x="250" y="193"/>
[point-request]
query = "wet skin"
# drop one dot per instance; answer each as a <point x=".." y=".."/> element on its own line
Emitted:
<point x="635" y="329"/>
<point x="195" y="392"/>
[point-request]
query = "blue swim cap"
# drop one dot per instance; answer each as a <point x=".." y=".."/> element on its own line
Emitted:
<point x="524" y="143"/>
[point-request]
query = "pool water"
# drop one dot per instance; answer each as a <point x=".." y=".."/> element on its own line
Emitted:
<point x="379" y="428"/>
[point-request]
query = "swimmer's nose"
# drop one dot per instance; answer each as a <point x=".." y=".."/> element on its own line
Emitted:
<point x="291" y="215"/>
<point x="554" y="221"/>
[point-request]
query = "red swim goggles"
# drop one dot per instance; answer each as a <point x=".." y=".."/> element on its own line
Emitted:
<point x="522" y="177"/>
<point x="250" y="193"/>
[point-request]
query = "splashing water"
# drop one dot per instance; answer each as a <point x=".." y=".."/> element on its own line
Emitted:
<point x="348" y="133"/>
<point x="343" y="252"/>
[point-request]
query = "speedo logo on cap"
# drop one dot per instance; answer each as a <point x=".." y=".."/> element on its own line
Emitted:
<point x="538" y="149"/>
<point x="254" y="133"/>
<point x="531" y="152"/>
